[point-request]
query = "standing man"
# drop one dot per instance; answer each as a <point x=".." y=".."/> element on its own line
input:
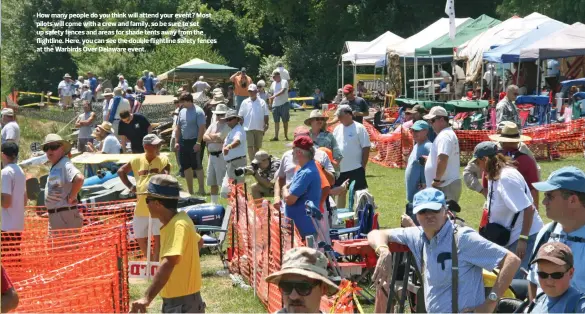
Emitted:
<point x="354" y="142"/>
<point x="148" y="82"/>
<point x="305" y="186"/>
<point x="262" y="91"/>
<point x="178" y="279"/>
<point x="283" y="72"/>
<point x="279" y="104"/>
<point x="13" y="191"/>
<point x="122" y="83"/>
<point x="133" y="127"/>
<point x="434" y="240"/>
<point x="85" y="123"/>
<point x="188" y="137"/>
<point x="10" y="129"/>
<point x="201" y="85"/>
<point x="216" y="165"/>
<point x="93" y="84"/>
<point x="107" y="102"/>
<point x="414" y="176"/>
<point x="358" y="105"/>
<point x="63" y="184"/>
<point x="459" y="75"/>
<point x="117" y="105"/>
<point x="144" y="168"/>
<point x="66" y="90"/>
<point x="442" y="165"/>
<point x="564" y="200"/>
<point x="254" y="112"/>
<point x="234" y="146"/>
<point x="506" y="110"/>
<point x="241" y="82"/>
<point x="303" y="280"/>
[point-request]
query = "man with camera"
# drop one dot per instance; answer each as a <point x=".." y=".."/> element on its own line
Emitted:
<point x="263" y="168"/>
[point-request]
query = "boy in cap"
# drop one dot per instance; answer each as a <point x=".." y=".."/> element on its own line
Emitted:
<point x="442" y="165"/>
<point x="564" y="201"/>
<point x="10" y="129"/>
<point x="432" y="245"/>
<point x="303" y="280"/>
<point x="178" y="278"/>
<point x="555" y="271"/>
<point x="144" y="167"/>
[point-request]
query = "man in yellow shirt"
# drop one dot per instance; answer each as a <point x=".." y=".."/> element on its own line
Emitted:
<point x="179" y="274"/>
<point x="144" y="167"/>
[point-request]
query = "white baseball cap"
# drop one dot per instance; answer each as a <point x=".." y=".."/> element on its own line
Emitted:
<point x="436" y="111"/>
<point x="252" y="88"/>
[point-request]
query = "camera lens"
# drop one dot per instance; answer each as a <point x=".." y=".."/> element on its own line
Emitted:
<point x="239" y="172"/>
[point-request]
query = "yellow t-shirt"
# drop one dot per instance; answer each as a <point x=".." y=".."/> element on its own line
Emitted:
<point x="143" y="171"/>
<point x="178" y="238"/>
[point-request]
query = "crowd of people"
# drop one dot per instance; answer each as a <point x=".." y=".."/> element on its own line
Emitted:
<point x="318" y="168"/>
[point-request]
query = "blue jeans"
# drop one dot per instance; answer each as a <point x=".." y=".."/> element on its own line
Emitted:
<point x="239" y="100"/>
<point x="524" y="264"/>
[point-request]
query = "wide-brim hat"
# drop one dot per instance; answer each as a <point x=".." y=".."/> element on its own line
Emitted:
<point x="56" y="138"/>
<point x="305" y="262"/>
<point x="163" y="186"/>
<point x="108" y="92"/>
<point x="315" y="114"/>
<point x="66" y="75"/>
<point x="510" y="134"/>
<point x="107" y="126"/>
<point x="232" y="114"/>
<point x="220" y="109"/>
<point x="217" y="99"/>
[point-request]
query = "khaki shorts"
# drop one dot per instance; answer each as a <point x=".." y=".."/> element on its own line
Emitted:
<point x="254" y="138"/>
<point x="233" y="165"/>
<point x="452" y="191"/>
<point x="67" y="219"/>
<point x="140" y="226"/>
<point x="216" y="168"/>
<point x="67" y="101"/>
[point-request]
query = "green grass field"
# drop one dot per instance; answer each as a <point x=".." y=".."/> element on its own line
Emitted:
<point x="387" y="186"/>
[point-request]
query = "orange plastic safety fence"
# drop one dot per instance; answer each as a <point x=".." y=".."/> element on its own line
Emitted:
<point x="258" y="237"/>
<point x="71" y="270"/>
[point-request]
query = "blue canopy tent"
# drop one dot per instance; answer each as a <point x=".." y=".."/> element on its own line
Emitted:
<point x="510" y="52"/>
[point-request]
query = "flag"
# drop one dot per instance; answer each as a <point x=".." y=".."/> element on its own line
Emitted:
<point x="450" y="11"/>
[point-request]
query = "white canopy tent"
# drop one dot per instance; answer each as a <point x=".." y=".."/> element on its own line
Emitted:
<point x="568" y="42"/>
<point x="374" y="50"/>
<point x="501" y="34"/>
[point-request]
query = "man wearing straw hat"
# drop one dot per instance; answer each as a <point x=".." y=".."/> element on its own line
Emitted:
<point x="178" y="279"/>
<point x="63" y="184"/>
<point x="66" y="90"/>
<point x="109" y="143"/>
<point x="303" y="280"/>
<point x="214" y="137"/>
<point x="144" y="167"/>
<point x="107" y="102"/>
<point x="234" y="146"/>
<point x="509" y="139"/>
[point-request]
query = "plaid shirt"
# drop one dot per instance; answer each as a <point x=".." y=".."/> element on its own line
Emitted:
<point x="326" y="139"/>
<point x="270" y="172"/>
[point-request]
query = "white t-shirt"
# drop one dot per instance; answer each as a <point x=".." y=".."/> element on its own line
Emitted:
<point x="124" y="85"/>
<point x="111" y="145"/>
<point x="236" y="133"/>
<point x="13" y="183"/>
<point x="253" y="113"/>
<point x="351" y="140"/>
<point x="446" y="143"/>
<point x="283" y="73"/>
<point x="11" y="131"/>
<point x="67" y="89"/>
<point x="124" y="105"/>
<point x="511" y="195"/>
<point x="200" y="86"/>
<point x="459" y="72"/>
<point x="275" y="88"/>
<point x="105" y="107"/>
<point x="175" y="119"/>
<point x="288" y="166"/>
<point x="217" y="127"/>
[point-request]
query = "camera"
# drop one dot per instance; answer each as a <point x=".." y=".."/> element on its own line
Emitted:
<point x="422" y="160"/>
<point x="244" y="171"/>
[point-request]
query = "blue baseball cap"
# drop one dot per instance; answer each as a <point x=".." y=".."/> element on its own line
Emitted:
<point x="429" y="198"/>
<point x="567" y="178"/>
<point x="420" y="125"/>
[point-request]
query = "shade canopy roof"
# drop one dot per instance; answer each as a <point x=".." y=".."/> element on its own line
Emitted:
<point x="197" y="67"/>
<point x="567" y="42"/>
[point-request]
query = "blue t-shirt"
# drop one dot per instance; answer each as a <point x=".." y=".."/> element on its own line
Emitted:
<point x="415" y="172"/>
<point x="190" y="119"/>
<point x="306" y="185"/>
<point x="148" y="84"/>
<point x="572" y="301"/>
<point x="93" y="83"/>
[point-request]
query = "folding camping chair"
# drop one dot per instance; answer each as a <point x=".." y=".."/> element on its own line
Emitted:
<point x="213" y="236"/>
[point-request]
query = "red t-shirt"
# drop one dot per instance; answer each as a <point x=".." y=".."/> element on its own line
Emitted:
<point x="525" y="165"/>
<point x="6" y="283"/>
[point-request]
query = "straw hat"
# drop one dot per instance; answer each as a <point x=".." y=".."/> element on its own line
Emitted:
<point x="232" y="114"/>
<point x="107" y="126"/>
<point x="66" y="75"/>
<point x="510" y="134"/>
<point x="108" y="92"/>
<point x="55" y="138"/>
<point x="117" y="91"/>
<point x="315" y="114"/>
<point x="217" y="99"/>
<point x="220" y="109"/>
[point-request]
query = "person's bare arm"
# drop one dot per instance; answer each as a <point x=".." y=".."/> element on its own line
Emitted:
<point x="332" y="122"/>
<point x="6" y="200"/>
<point x="330" y="177"/>
<point x="535" y="197"/>
<point x="532" y="288"/>
<point x="160" y="280"/>
<point x="365" y="156"/>
<point x="289" y="199"/>
<point x="123" y="142"/>
<point x="233" y="77"/>
<point x="149" y="129"/>
<point x="89" y="120"/>
<point x="278" y="184"/>
<point x="508" y="267"/>
<point x="123" y="174"/>
<point x="78" y="123"/>
<point x="441" y="166"/>
<point x="76" y="186"/>
<point x="167" y="169"/>
<point x="262" y="181"/>
<point x="9" y="300"/>
<point x="200" y="244"/>
<point x="528" y="215"/>
<point x="207" y="136"/>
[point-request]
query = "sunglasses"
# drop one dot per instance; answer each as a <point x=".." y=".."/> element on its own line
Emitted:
<point x="49" y="147"/>
<point x="303" y="288"/>
<point x="556" y="276"/>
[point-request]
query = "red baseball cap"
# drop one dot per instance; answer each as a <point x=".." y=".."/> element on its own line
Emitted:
<point x="303" y="142"/>
<point x="301" y="130"/>
<point x="348" y="89"/>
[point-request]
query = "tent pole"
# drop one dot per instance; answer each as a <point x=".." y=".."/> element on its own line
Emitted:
<point x="341" y="86"/>
<point x="375" y="77"/>
<point x="424" y="76"/>
<point x="415" y="78"/>
<point x="405" y="89"/>
<point x="433" y="76"/>
<point x="337" y="81"/>
<point x="538" y="78"/>
<point x="518" y="74"/>
<point x="481" y="79"/>
<point x="384" y="76"/>
<point x="492" y="88"/>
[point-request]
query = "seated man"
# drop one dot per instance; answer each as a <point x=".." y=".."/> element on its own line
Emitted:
<point x="264" y="167"/>
<point x="303" y="280"/>
<point x="432" y="247"/>
<point x="555" y="271"/>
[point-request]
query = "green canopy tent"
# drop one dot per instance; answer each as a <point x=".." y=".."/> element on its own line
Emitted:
<point x="195" y="68"/>
<point x="444" y="45"/>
